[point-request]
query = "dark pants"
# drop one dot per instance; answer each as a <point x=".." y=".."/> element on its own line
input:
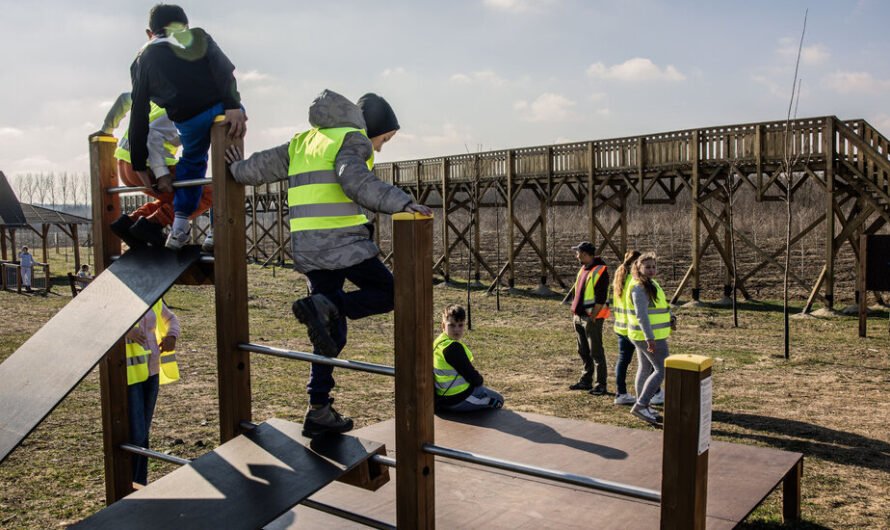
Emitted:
<point x="626" y="351"/>
<point x="141" y="399"/>
<point x="373" y="297"/>
<point x="590" y="348"/>
<point x="194" y="133"/>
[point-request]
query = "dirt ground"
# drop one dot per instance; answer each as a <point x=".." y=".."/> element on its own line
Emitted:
<point x="826" y="402"/>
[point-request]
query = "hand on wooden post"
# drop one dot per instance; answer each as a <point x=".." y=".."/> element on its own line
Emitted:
<point x="237" y="120"/>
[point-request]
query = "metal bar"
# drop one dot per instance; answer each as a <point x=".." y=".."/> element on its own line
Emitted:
<point x="360" y="366"/>
<point x="176" y="184"/>
<point x="135" y="449"/>
<point x="558" y="476"/>
<point x="205" y="258"/>
<point x="383" y="460"/>
<point x="343" y="514"/>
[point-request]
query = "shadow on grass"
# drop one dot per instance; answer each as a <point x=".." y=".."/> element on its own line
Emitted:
<point x="517" y="425"/>
<point x="812" y="440"/>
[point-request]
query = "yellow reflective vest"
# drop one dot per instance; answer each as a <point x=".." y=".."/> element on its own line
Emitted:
<point x="154" y="113"/>
<point x="587" y="297"/>
<point x="315" y="199"/>
<point x="620" y="310"/>
<point x="137" y="356"/>
<point x="659" y="314"/>
<point x="447" y="380"/>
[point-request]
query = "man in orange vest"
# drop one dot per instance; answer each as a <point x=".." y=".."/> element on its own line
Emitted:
<point x="589" y="309"/>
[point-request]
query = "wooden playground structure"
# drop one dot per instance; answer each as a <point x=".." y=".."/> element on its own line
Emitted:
<point x="677" y="478"/>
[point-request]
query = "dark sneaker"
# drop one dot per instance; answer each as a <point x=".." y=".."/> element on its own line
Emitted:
<point x="581" y="385"/>
<point x="324" y="420"/>
<point x="121" y="228"/>
<point x="598" y="390"/>
<point x="148" y="232"/>
<point x="317" y="313"/>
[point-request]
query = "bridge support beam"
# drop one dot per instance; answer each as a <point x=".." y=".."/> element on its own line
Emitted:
<point x="828" y="147"/>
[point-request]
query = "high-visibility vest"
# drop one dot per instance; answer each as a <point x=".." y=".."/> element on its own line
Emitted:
<point x="137" y="356"/>
<point x="620" y="310"/>
<point x="315" y="199"/>
<point x="123" y="152"/>
<point x="659" y="314"/>
<point x="587" y="299"/>
<point x="447" y="380"/>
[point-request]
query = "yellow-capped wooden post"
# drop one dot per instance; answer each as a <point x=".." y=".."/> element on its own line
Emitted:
<point x="412" y="236"/>
<point x="687" y="438"/>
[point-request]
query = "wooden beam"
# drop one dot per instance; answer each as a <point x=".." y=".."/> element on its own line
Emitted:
<point x="446" y="200"/>
<point x="511" y="279"/>
<point x="694" y="191"/>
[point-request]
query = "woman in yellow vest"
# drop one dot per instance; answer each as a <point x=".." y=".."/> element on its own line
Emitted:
<point x="151" y="361"/>
<point x="459" y="386"/>
<point x="331" y="186"/>
<point x="626" y="347"/>
<point x="648" y="326"/>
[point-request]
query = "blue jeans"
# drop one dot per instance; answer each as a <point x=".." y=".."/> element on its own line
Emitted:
<point x="141" y="399"/>
<point x="481" y="398"/>
<point x="373" y="297"/>
<point x="194" y="133"/>
<point x="626" y="350"/>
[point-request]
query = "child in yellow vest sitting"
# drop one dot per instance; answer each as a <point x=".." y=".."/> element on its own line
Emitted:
<point x="458" y="385"/>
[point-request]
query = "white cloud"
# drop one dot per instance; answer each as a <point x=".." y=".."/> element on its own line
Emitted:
<point x="548" y="107"/>
<point x="519" y="6"/>
<point x="252" y="75"/>
<point x="10" y="132"/>
<point x="636" y="69"/>
<point x="391" y="72"/>
<point x="810" y="55"/>
<point x="487" y="77"/>
<point x="856" y="82"/>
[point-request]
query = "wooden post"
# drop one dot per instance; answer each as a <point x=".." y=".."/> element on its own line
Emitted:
<point x="511" y="250"/>
<point x="641" y="160"/>
<point x="545" y="210"/>
<point x="694" y="155"/>
<point x="758" y="160"/>
<point x="113" y="367"/>
<point x="44" y="234"/>
<point x="3" y="243"/>
<point x="828" y="148"/>
<point x="791" y="494"/>
<point x="687" y="437"/>
<point x="75" y="240"/>
<point x="591" y="194"/>
<point x="412" y="268"/>
<point x="230" y="272"/>
<point x="476" y="220"/>
<point x="861" y="283"/>
<point x="446" y="199"/>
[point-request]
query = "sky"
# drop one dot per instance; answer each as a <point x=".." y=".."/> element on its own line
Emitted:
<point x="462" y="75"/>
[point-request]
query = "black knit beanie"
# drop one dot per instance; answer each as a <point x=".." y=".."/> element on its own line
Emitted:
<point x="379" y="117"/>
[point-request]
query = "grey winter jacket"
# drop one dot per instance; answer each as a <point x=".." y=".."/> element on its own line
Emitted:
<point x="342" y="247"/>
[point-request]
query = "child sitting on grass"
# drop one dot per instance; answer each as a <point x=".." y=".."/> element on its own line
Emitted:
<point x="458" y="385"/>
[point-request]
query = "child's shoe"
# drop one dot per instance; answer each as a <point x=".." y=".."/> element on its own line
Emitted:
<point x="625" y="399"/>
<point x="658" y="398"/>
<point x="207" y="245"/>
<point x="644" y="414"/>
<point x="324" y="420"/>
<point x="177" y="239"/>
<point x="317" y="313"/>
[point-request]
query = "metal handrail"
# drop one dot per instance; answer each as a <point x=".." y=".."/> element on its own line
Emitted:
<point x="176" y="184"/>
<point x="360" y="366"/>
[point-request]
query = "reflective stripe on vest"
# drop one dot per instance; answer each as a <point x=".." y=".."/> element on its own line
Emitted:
<point x="123" y="149"/>
<point x="448" y="381"/>
<point x="138" y="357"/>
<point x="588" y="298"/>
<point x="619" y="310"/>
<point x="315" y="199"/>
<point x="659" y="314"/>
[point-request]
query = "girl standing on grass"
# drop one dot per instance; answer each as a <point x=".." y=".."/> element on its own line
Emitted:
<point x="648" y="326"/>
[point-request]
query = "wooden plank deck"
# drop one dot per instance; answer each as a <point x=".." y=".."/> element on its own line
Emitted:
<point x="471" y="496"/>
<point x="245" y="483"/>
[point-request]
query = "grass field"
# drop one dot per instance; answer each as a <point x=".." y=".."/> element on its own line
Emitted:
<point x="826" y="402"/>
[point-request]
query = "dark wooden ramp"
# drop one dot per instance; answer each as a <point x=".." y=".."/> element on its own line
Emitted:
<point x="53" y="361"/>
<point x="471" y="496"/>
<point x="244" y="483"/>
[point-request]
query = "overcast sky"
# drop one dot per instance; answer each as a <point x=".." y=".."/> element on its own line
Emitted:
<point x="460" y="74"/>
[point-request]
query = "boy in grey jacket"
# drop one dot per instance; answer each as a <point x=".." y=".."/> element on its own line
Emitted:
<point x="330" y="185"/>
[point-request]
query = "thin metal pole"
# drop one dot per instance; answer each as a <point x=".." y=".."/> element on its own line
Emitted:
<point x="343" y="514"/>
<point x="384" y="460"/>
<point x="540" y="472"/>
<point x="360" y="366"/>
<point x="177" y="184"/>
<point x="135" y="449"/>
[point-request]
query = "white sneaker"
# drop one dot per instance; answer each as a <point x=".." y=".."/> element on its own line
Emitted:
<point x="207" y="245"/>
<point x="658" y="398"/>
<point x="644" y="414"/>
<point x="625" y="399"/>
<point x="177" y="239"/>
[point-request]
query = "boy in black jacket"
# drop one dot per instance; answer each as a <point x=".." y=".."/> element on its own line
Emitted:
<point x="183" y="71"/>
<point x="458" y="385"/>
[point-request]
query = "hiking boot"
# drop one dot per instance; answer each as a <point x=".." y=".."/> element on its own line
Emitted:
<point x="147" y="232"/>
<point x="658" y="398"/>
<point x="177" y="239"/>
<point x="324" y="420"/>
<point x="581" y="385"/>
<point x="207" y="245"/>
<point x="317" y="313"/>
<point x="121" y="228"/>
<point x="625" y="399"/>
<point x="644" y="414"/>
<point x="598" y="390"/>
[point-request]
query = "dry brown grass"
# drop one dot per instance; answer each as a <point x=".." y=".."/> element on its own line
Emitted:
<point x="826" y="402"/>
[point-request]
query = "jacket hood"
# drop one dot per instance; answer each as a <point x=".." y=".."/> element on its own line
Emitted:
<point x="331" y="109"/>
<point x="190" y="44"/>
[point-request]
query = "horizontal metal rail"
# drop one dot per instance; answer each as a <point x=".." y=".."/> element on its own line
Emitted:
<point x="205" y="258"/>
<point x="384" y="460"/>
<point x="380" y="369"/>
<point x="540" y="472"/>
<point x="135" y="449"/>
<point x="176" y="184"/>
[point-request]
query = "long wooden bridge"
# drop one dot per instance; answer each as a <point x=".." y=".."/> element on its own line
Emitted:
<point x="847" y="160"/>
